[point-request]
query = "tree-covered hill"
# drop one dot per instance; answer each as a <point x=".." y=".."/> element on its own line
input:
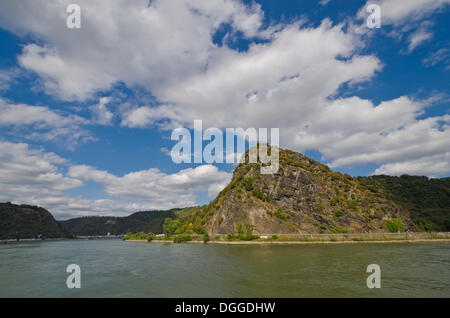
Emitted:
<point x="144" y="221"/>
<point x="427" y="199"/>
<point x="27" y="221"/>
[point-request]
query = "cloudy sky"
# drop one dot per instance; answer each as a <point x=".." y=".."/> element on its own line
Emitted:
<point x="86" y="114"/>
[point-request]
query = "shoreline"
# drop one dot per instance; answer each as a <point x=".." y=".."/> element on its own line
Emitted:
<point x="299" y="242"/>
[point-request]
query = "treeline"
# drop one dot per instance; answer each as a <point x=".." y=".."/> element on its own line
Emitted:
<point x="427" y="199"/>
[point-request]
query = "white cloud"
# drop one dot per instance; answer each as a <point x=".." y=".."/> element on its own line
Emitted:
<point x="156" y="186"/>
<point x="432" y="166"/>
<point x="34" y="176"/>
<point x="39" y="122"/>
<point x="440" y="56"/>
<point x="289" y="81"/>
<point x="400" y="11"/>
<point x="6" y="77"/>
<point x="417" y="38"/>
<point x="409" y="20"/>
<point x="30" y="169"/>
<point x="101" y="114"/>
<point x="151" y="45"/>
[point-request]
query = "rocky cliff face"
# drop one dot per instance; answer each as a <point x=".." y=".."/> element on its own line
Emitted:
<point x="26" y="221"/>
<point x="304" y="196"/>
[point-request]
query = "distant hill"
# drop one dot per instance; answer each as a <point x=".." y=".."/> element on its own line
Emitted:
<point x="27" y="221"/>
<point x="427" y="199"/>
<point x="145" y="221"/>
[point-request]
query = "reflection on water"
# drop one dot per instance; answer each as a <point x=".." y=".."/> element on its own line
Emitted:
<point x="112" y="268"/>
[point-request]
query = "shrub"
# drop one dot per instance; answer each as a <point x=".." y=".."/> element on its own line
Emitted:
<point x="280" y="214"/>
<point x="338" y="213"/>
<point x="259" y="194"/>
<point x="182" y="238"/>
<point x="199" y="229"/>
<point x="275" y="237"/>
<point x="248" y="184"/>
<point x="150" y="237"/>
<point x="239" y="228"/>
<point x="395" y="225"/>
<point x="205" y="238"/>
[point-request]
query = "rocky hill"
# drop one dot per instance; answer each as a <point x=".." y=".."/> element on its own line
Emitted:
<point x="26" y="221"/>
<point x="304" y="196"/>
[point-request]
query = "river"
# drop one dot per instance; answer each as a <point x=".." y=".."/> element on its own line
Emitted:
<point x="113" y="268"/>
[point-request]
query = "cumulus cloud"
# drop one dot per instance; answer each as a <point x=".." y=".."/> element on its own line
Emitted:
<point x="398" y="12"/>
<point x="432" y="166"/>
<point x="42" y="123"/>
<point x="156" y="186"/>
<point x="135" y="42"/>
<point x="34" y="176"/>
<point x="290" y="80"/>
<point x="409" y="20"/>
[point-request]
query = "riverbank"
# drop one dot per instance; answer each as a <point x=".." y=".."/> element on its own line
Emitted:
<point x="296" y="242"/>
<point x="410" y="237"/>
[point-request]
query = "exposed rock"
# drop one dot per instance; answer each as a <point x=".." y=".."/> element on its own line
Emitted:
<point x="304" y="196"/>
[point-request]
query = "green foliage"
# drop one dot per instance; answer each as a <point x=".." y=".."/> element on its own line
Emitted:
<point x="280" y="213"/>
<point x="248" y="184"/>
<point x="205" y="238"/>
<point x="27" y="221"/>
<point x="428" y="200"/>
<point x="199" y="230"/>
<point x="170" y="226"/>
<point x="239" y="228"/>
<point x="426" y="225"/>
<point x="182" y="238"/>
<point x="248" y="229"/>
<point x="319" y="207"/>
<point x="139" y="236"/>
<point x="339" y="213"/>
<point x="395" y="225"/>
<point x="274" y="237"/>
<point x="259" y="194"/>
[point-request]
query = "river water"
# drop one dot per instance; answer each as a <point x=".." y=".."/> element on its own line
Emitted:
<point x="113" y="268"/>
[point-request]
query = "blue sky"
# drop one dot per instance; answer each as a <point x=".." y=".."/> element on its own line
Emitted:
<point x="86" y="114"/>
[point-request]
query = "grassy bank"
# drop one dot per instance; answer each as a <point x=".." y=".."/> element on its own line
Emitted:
<point x="292" y="239"/>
